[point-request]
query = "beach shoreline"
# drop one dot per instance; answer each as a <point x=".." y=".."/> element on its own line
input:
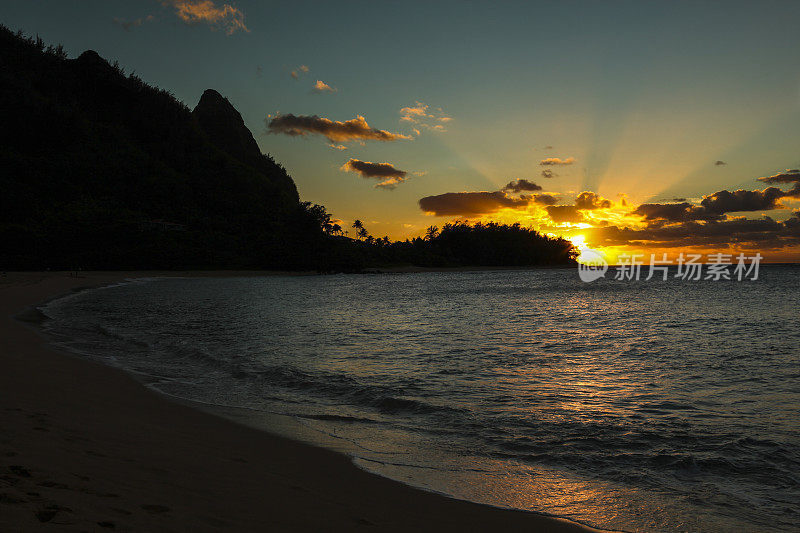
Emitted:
<point x="85" y="446"/>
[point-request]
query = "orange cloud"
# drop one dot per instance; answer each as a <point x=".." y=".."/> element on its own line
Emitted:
<point x="226" y="16"/>
<point x="557" y="161"/>
<point x="422" y="116"/>
<point x="355" y="129"/>
<point x="299" y="71"/>
<point x="322" y="87"/>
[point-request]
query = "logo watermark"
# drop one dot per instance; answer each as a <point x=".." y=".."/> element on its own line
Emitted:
<point x="592" y="266"/>
<point x="690" y="267"/>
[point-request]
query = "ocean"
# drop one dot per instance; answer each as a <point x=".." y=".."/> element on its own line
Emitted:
<point x="638" y="406"/>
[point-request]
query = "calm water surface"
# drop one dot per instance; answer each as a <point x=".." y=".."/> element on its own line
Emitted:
<point x="650" y="406"/>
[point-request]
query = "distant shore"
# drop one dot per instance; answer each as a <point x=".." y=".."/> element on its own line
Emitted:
<point x="86" y="447"/>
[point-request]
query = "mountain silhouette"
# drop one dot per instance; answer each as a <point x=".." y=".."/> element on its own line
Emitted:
<point x="102" y="170"/>
<point x="225" y="129"/>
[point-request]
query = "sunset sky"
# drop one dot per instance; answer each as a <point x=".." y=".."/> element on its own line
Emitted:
<point x="410" y="114"/>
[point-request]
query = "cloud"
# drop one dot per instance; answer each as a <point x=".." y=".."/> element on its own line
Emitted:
<point x="128" y="25"/>
<point x="547" y="173"/>
<point x="299" y="71"/>
<point x="762" y="233"/>
<point x="520" y="185"/>
<point x="589" y="200"/>
<point x="545" y="199"/>
<point x="557" y="161"/>
<point x="389" y="175"/>
<point x="685" y="224"/>
<point x="681" y="212"/>
<point x="720" y="163"/>
<point x="355" y="129"/>
<point x="565" y="213"/>
<point x="742" y="200"/>
<point x="470" y="204"/>
<point x="421" y="116"/>
<point x="373" y="170"/>
<point x="225" y="16"/>
<point x="338" y="147"/>
<point x="322" y="87"/>
<point x="713" y="207"/>
<point x="787" y="177"/>
<point x="389" y="183"/>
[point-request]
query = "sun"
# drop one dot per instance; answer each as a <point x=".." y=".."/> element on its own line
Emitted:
<point x="578" y="240"/>
<point x="587" y="256"/>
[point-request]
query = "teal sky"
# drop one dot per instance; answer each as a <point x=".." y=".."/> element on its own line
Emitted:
<point x="645" y="96"/>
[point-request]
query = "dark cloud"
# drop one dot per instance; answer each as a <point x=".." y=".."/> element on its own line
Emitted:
<point x="520" y="185"/>
<point x="742" y="200"/>
<point x="763" y="233"/>
<point x="681" y="212"/>
<point x="720" y="163"/>
<point x="714" y="206"/>
<point x="355" y="129"/>
<point x="545" y="199"/>
<point x="547" y="173"/>
<point x="373" y="170"/>
<point x="565" y="213"/>
<point x="790" y="176"/>
<point x="589" y="200"/>
<point x="470" y="204"/>
<point x="390" y="176"/>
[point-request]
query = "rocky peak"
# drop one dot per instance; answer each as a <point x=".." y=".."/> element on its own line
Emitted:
<point x="224" y="126"/>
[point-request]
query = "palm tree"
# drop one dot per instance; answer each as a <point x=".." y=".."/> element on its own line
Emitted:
<point x="361" y="231"/>
<point x="431" y="233"/>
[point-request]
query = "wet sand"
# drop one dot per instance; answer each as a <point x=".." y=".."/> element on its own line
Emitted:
<point x="85" y="447"/>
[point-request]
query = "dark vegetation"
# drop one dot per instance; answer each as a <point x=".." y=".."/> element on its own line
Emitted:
<point x="99" y="170"/>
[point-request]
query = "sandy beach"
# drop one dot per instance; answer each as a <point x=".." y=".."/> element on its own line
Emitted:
<point x="84" y="447"/>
